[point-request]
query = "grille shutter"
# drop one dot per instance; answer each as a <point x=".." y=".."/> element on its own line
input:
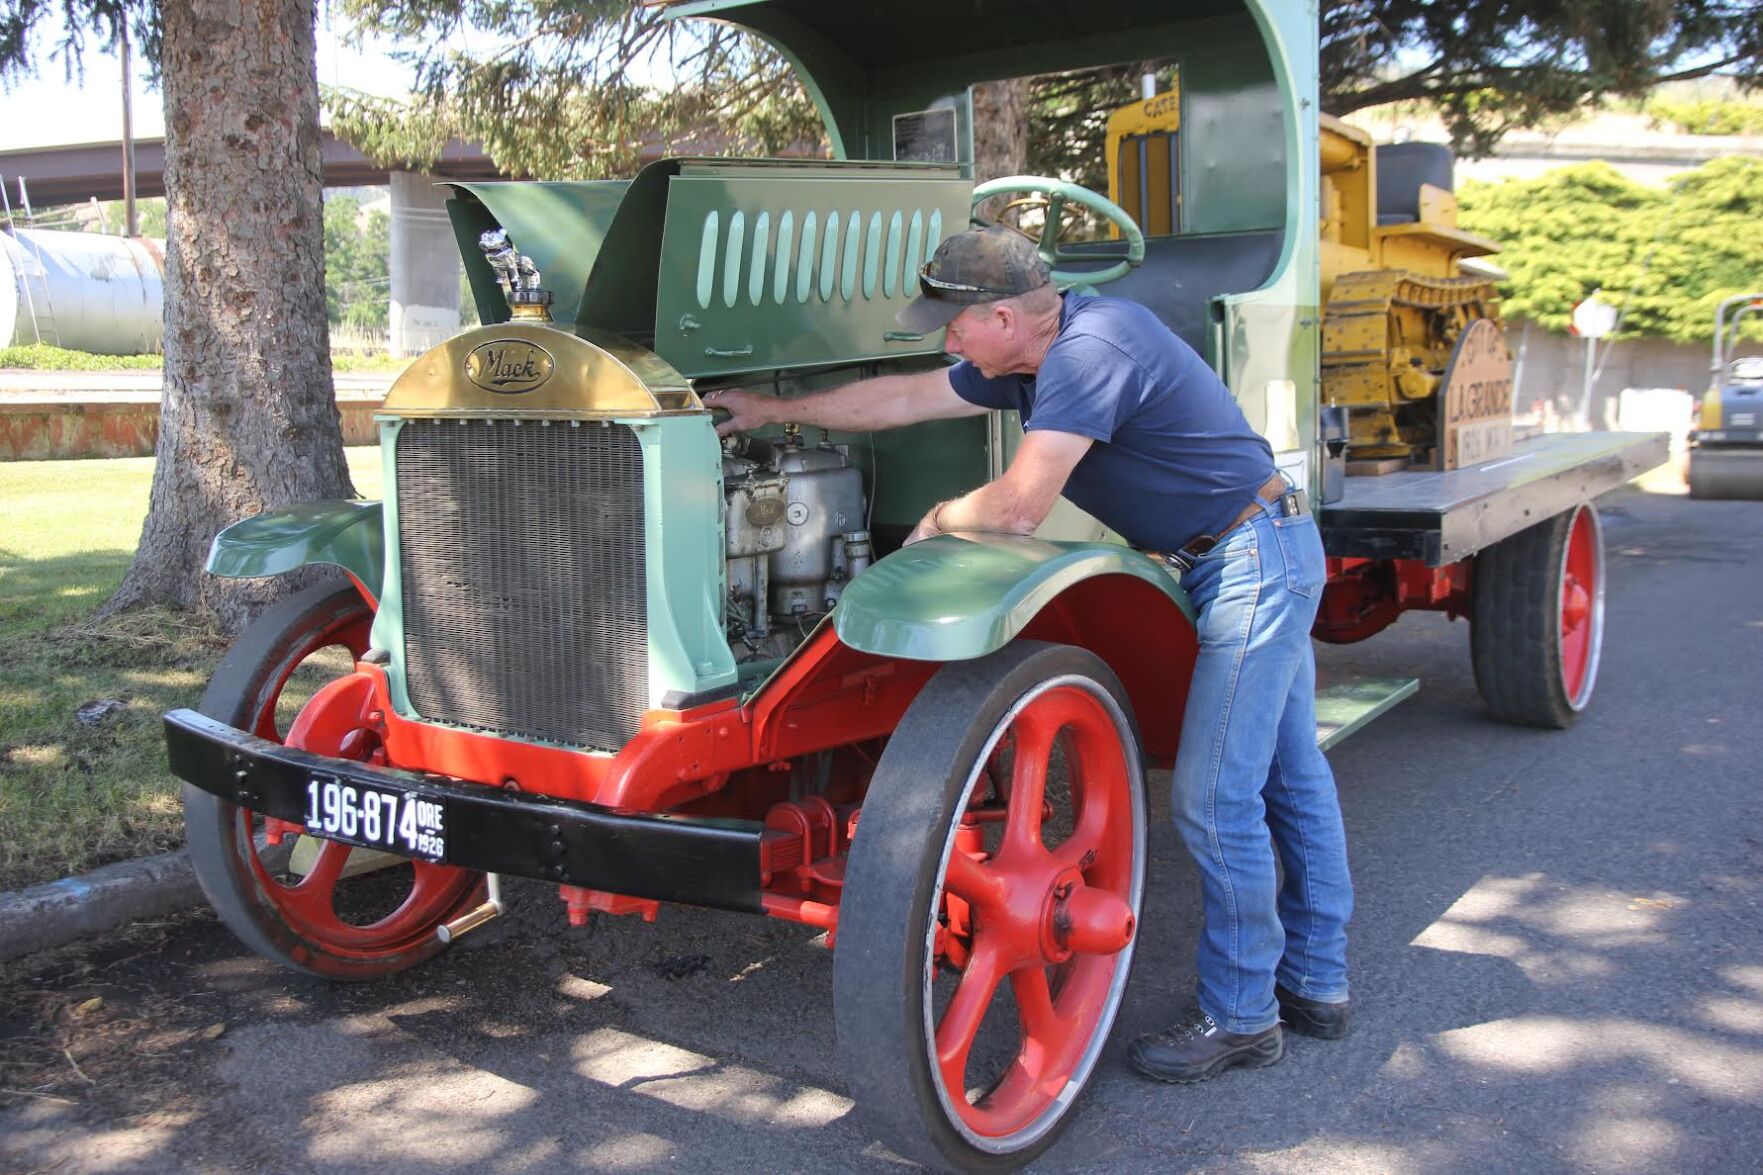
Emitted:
<point x="524" y="581"/>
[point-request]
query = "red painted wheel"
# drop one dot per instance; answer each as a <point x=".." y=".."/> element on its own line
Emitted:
<point x="987" y="923"/>
<point x="1581" y="595"/>
<point x="1538" y="620"/>
<point x="306" y="910"/>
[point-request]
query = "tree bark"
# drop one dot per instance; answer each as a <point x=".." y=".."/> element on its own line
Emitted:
<point x="1000" y="129"/>
<point x="248" y="419"/>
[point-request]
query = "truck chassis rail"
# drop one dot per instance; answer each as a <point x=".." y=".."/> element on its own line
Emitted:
<point x="1442" y="518"/>
<point x="666" y="858"/>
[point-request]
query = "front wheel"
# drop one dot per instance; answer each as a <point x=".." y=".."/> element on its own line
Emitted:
<point x="1537" y="627"/>
<point x="987" y="921"/>
<point x="312" y="910"/>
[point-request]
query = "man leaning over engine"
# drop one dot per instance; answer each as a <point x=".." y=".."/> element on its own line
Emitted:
<point x="1129" y="423"/>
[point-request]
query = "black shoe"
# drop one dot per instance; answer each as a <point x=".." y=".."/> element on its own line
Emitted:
<point x="1197" y="1049"/>
<point x="1312" y="1017"/>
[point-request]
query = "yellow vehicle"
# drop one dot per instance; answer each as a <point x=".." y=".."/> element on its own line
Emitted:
<point x="1726" y="446"/>
<point x="1398" y="298"/>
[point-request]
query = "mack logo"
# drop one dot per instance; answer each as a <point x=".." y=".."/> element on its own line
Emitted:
<point x="509" y="366"/>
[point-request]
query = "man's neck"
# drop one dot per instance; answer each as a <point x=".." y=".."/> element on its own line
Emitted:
<point x="1040" y="340"/>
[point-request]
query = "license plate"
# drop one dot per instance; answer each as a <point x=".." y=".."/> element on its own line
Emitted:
<point x="376" y="818"/>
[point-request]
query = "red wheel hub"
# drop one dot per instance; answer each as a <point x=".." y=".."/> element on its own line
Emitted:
<point x="1580" y="620"/>
<point x="1051" y="921"/>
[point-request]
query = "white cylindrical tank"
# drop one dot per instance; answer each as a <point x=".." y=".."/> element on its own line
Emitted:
<point x="83" y="291"/>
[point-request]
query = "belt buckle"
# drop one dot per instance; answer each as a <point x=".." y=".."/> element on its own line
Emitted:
<point x="1180" y="562"/>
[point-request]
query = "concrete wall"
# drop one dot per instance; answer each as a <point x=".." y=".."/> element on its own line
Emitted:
<point x="1551" y="368"/>
<point x="58" y="428"/>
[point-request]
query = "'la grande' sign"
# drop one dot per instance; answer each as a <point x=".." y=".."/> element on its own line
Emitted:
<point x="1475" y="405"/>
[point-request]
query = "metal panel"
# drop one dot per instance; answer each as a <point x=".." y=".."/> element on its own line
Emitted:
<point x="853" y="266"/>
<point x="524" y="577"/>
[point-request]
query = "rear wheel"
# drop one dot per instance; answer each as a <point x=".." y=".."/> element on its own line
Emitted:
<point x="312" y="910"/>
<point x="986" y="926"/>
<point x="1538" y="620"/>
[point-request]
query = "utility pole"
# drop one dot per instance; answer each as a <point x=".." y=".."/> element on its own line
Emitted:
<point x="129" y="227"/>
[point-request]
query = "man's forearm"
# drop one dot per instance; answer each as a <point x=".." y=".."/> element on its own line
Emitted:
<point x="868" y="404"/>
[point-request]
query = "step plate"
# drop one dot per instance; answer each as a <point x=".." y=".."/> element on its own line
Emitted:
<point x="1345" y="706"/>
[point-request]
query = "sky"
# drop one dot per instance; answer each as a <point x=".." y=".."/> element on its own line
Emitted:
<point x="89" y="109"/>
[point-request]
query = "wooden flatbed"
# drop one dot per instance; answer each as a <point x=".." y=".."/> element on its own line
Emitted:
<point x="1441" y="518"/>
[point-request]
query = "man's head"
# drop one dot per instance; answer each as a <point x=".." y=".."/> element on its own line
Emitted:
<point x="993" y="292"/>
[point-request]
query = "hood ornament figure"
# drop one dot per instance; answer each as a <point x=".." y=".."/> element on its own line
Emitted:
<point x="517" y="275"/>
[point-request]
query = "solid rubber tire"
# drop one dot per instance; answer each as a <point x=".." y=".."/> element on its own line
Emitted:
<point x="893" y="869"/>
<point x="212" y="829"/>
<point x="1515" y="626"/>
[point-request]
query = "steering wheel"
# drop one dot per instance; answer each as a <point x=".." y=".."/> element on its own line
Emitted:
<point x="1057" y="194"/>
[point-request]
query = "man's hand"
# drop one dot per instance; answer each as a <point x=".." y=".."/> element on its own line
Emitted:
<point x="927" y="527"/>
<point x="747" y="410"/>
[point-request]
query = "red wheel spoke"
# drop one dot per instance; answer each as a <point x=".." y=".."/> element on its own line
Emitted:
<point x="1035" y="731"/>
<point x="1042" y="1028"/>
<point x="1081" y="849"/>
<point x="972" y="881"/>
<point x="964" y="1015"/>
<point x="326" y="870"/>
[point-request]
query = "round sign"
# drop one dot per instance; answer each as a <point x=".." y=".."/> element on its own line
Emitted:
<point x="1593" y="318"/>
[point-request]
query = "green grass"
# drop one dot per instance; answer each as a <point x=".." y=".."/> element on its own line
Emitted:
<point x="74" y="796"/>
<point x="42" y="357"/>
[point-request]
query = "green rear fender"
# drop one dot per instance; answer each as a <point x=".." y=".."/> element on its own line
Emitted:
<point x="953" y="597"/>
<point x="346" y="534"/>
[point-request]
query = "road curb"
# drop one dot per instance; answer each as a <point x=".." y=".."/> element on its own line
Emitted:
<point x="58" y="912"/>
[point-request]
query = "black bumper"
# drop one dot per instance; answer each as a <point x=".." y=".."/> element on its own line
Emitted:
<point x="672" y="859"/>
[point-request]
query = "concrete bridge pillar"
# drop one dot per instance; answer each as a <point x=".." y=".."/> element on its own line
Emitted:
<point x="424" y="264"/>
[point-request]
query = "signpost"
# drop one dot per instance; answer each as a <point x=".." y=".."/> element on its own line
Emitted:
<point x="1593" y="318"/>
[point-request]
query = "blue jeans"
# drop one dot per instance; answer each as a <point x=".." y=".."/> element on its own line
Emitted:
<point x="1249" y="780"/>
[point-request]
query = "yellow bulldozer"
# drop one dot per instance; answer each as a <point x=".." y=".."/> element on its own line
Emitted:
<point x="1419" y="381"/>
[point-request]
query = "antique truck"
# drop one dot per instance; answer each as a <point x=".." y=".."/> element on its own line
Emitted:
<point x="582" y="641"/>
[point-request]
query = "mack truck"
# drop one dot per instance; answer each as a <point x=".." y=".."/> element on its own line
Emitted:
<point x="582" y="641"/>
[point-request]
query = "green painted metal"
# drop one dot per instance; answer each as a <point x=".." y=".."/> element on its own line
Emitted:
<point x="1060" y="193"/>
<point x="735" y="297"/>
<point x="346" y="534"/>
<point x="955" y="597"/>
<point x="561" y="226"/>
<point x="1345" y="707"/>
<point x="682" y="498"/>
<point x="388" y="619"/>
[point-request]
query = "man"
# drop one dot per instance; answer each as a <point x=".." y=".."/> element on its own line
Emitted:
<point x="1129" y="423"/>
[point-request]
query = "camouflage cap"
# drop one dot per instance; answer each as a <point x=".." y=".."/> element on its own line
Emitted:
<point x="980" y="265"/>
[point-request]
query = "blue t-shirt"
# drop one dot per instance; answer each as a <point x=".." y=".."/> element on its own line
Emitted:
<point x="1174" y="456"/>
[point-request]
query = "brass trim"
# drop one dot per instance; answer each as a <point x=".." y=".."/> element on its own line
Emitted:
<point x="594" y="374"/>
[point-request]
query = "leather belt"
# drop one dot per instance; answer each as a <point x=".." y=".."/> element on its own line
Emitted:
<point x="1274" y="490"/>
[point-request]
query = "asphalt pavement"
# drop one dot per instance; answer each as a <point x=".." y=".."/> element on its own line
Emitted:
<point x="1557" y="966"/>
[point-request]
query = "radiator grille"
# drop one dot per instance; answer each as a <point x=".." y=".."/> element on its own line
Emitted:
<point x="525" y="609"/>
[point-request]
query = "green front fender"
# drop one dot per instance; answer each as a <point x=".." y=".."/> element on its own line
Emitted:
<point x="956" y="597"/>
<point x="348" y="534"/>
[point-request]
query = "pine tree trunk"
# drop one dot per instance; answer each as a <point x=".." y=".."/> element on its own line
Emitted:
<point x="1000" y="129"/>
<point x="248" y="420"/>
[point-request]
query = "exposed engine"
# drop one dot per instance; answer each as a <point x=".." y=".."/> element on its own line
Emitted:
<point x="797" y="533"/>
